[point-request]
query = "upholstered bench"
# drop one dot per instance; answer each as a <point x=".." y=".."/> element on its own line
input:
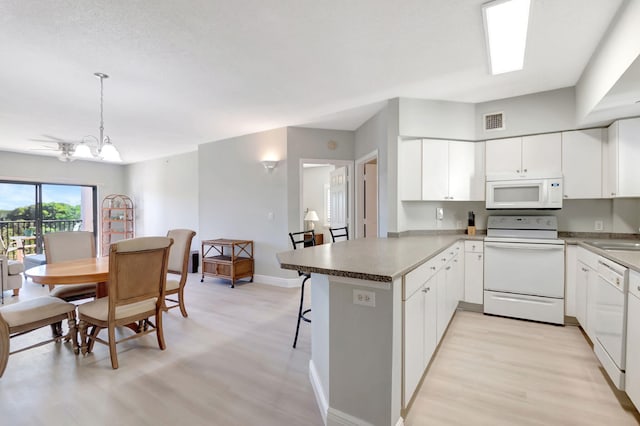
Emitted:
<point x="33" y="260"/>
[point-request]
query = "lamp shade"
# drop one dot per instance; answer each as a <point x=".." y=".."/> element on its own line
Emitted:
<point x="312" y="216"/>
<point x="110" y="153"/>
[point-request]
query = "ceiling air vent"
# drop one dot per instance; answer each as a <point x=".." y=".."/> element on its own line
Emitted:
<point x="494" y="121"/>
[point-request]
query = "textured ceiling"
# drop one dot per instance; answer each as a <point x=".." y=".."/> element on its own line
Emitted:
<point x="190" y="72"/>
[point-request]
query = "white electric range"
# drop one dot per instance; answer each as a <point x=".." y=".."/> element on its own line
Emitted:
<point x="524" y="268"/>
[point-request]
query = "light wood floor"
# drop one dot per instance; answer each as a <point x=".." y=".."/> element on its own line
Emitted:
<point x="231" y="363"/>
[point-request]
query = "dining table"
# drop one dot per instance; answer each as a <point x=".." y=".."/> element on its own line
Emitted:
<point x="80" y="271"/>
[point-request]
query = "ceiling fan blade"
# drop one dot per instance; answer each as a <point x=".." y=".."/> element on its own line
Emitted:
<point x="54" y="138"/>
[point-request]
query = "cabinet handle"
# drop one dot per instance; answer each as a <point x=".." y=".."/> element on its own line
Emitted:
<point x="525" y="170"/>
<point x="451" y="198"/>
<point x="517" y="171"/>
<point x="479" y="257"/>
<point x="444" y="259"/>
<point x="473" y="247"/>
<point x="613" y="193"/>
<point x="584" y="270"/>
<point x="565" y="196"/>
<point x="639" y="288"/>
<point x="455" y="260"/>
<point x="433" y="268"/>
<point x="426" y="290"/>
<point x="447" y="268"/>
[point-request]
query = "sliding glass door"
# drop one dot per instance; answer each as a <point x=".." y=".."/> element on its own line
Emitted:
<point x="30" y="210"/>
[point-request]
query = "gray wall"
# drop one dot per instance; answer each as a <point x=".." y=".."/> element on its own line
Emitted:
<point x="370" y="136"/>
<point x="437" y="119"/>
<point x="304" y="143"/>
<point x="166" y="193"/>
<point x="239" y="199"/>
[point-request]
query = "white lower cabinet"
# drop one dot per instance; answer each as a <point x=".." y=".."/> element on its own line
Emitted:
<point x="586" y="282"/>
<point x="632" y="376"/>
<point x="473" y="272"/>
<point x="428" y="308"/>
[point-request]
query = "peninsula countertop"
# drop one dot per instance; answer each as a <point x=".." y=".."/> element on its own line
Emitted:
<point x="373" y="259"/>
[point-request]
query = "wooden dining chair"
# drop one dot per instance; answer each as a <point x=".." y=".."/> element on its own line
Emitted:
<point x="23" y="317"/>
<point x="71" y="245"/>
<point x="302" y="239"/>
<point x="137" y="279"/>
<point x="178" y="267"/>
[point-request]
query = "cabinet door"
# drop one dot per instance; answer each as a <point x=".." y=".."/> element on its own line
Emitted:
<point x="542" y="154"/>
<point x="414" y="359"/>
<point x="473" y="277"/>
<point x="629" y="158"/>
<point x="592" y="282"/>
<point x="570" y="280"/>
<point x="430" y="319"/>
<point x="410" y="170"/>
<point x="582" y="163"/>
<point x="582" y="283"/>
<point x="632" y="377"/>
<point x="441" y="308"/>
<point x="466" y="171"/>
<point x="504" y="156"/>
<point x="610" y="163"/>
<point x="435" y="169"/>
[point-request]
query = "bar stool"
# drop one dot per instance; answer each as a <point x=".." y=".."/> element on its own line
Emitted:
<point x="298" y="239"/>
<point x="339" y="233"/>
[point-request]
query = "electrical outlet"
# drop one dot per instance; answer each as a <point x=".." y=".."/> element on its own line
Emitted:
<point x="459" y="224"/>
<point x="598" y="225"/>
<point x="439" y="213"/>
<point x="364" y="298"/>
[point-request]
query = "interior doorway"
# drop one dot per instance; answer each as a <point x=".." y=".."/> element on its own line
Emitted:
<point x="367" y="196"/>
<point x="326" y="196"/>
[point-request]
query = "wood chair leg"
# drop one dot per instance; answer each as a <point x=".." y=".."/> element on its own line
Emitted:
<point x="159" y="332"/>
<point x="16" y="291"/>
<point x="183" y="308"/>
<point x="112" y="347"/>
<point x="92" y="339"/>
<point x="4" y="346"/>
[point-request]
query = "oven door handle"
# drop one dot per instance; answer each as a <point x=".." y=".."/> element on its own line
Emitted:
<point x="525" y="246"/>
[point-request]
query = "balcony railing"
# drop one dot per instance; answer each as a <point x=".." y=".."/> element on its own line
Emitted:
<point x="12" y="228"/>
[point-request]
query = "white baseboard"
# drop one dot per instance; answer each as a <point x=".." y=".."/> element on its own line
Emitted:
<point x="400" y="422"/>
<point x="321" y="400"/>
<point x="278" y="281"/>
<point x="339" y="418"/>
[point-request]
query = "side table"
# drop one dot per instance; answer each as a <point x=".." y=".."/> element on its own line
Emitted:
<point x="228" y="259"/>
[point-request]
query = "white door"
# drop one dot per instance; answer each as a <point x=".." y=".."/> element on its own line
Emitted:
<point x="582" y="163"/>
<point x="370" y="200"/>
<point x="435" y="169"/>
<point x="338" y="192"/>
<point x="542" y="153"/>
<point x="503" y="156"/>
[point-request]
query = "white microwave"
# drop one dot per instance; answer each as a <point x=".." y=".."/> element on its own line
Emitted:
<point x="504" y="192"/>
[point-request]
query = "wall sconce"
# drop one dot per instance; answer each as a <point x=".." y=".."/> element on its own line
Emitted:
<point x="269" y="165"/>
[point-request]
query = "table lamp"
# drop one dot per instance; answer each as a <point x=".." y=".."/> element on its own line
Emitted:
<point x="311" y="217"/>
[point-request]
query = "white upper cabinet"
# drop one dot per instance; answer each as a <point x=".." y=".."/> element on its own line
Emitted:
<point x="582" y="163"/>
<point x="525" y="156"/>
<point x="433" y="169"/>
<point x="623" y="159"/>
<point x="466" y="171"/>
<point x="410" y="169"/>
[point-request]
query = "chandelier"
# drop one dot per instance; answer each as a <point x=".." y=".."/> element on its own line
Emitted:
<point x="98" y="147"/>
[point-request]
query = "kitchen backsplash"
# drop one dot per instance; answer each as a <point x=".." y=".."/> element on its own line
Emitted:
<point x="616" y="216"/>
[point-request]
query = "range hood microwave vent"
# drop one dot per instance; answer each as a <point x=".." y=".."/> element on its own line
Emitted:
<point x="494" y="121"/>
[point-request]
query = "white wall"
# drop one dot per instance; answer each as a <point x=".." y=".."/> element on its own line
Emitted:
<point x="616" y="52"/>
<point x="239" y="199"/>
<point x="165" y="192"/>
<point x="314" y="180"/>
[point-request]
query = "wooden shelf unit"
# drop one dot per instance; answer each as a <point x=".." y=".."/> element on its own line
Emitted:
<point x="227" y="259"/>
<point x="117" y="220"/>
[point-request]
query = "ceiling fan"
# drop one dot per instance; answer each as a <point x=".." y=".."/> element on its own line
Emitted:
<point x="90" y="146"/>
<point x="66" y="147"/>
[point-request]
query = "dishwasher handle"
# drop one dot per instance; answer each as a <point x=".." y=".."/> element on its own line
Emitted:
<point x="525" y="246"/>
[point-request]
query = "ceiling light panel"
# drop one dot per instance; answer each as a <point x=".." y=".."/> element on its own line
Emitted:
<point x="505" y="24"/>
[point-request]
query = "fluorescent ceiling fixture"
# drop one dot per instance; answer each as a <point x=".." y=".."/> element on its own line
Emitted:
<point x="505" y="24"/>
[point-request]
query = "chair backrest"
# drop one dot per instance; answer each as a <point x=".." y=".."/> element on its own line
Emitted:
<point x="179" y="253"/>
<point x="72" y="245"/>
<point x="303" y="238"/>
<point x="137" y="270"/>
<point x="339" y="233"/>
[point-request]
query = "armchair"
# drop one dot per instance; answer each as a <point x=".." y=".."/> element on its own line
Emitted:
<point x="10" y="275"/>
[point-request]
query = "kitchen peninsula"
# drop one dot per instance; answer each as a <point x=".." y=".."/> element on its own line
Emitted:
<point x="358" y="292"/>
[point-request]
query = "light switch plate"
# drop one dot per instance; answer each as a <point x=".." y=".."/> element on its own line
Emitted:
<point x="439" y="213"/>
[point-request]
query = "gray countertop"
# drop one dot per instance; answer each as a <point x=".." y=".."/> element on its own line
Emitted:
<point x="385" y="259"/>
<point x="382" y="259"/>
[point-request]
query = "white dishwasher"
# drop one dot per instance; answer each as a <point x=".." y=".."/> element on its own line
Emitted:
<point x="524" y="268"/>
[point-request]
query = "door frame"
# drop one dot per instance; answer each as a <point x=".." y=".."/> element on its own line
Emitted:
<point x="359" y="195"/>
<point x="338" y="163"/>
